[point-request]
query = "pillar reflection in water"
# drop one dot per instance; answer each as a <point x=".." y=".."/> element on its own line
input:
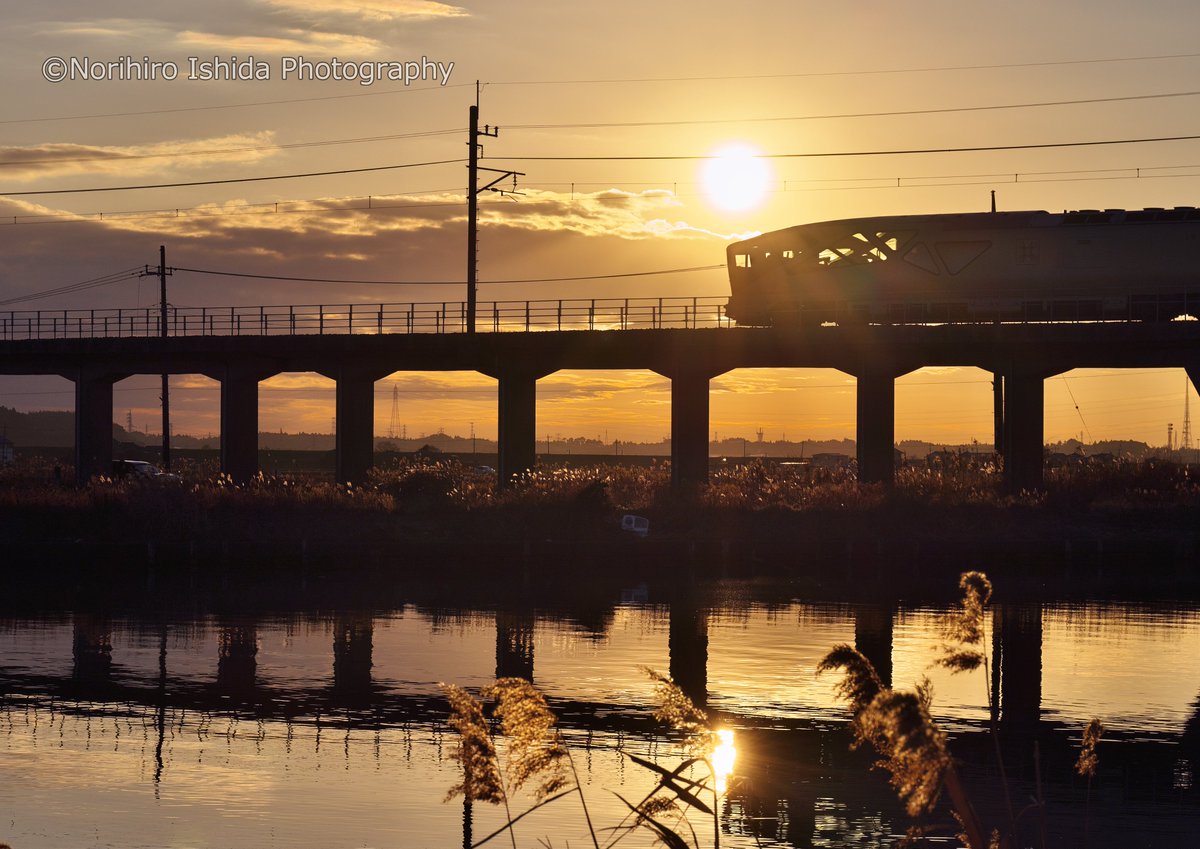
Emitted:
<point x="91" y="647"/>
<point x="873" y="626"/>
<point x="237" y="658"/>
<point x="688" y="646"/>
<point x="1020" y="663"/>
<point x="514" y="644"/>
<point x="777" y="776"/>
<point x="352" y="646"/>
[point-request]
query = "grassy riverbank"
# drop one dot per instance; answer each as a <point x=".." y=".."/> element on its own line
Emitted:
<point x="1136" y="520"/>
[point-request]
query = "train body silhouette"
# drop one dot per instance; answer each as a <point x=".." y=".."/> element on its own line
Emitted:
<point x="1088" y="265"/>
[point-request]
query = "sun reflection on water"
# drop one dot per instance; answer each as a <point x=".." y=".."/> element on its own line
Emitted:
<point x="722" y="759"/>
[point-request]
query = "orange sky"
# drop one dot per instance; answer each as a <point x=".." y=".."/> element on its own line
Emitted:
<point x="621" y="79"/>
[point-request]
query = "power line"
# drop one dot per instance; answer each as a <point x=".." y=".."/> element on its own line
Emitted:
<point x="265" y="208"/>
<point x="590" y="125"/>
<point x="888" y="114"/>
<point x="895" y="152"/>
<point x="868" y="72"/>
<point x="924" y="70"/>
<point x="449" y="282"/>
<point x="93" y="283"/>
<point x="802" y="185"/>
<point x="1076" y="405"/>
<point x="620" y="158"/>
<point x="229" y="105"/>
<point x="236" y="179"/>
<point x="218" y="151"/>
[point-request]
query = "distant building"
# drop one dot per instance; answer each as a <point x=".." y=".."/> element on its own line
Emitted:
<point x="7" y="451"/>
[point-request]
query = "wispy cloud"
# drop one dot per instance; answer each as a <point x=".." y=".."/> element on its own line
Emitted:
<point x="102" y="28"/>
<point x="55" y="159"/>
<point x="375" y="10"/>
<point x="291" y="40"/>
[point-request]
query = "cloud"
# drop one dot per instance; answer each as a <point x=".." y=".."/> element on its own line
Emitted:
<point x="55" y="159"/>
<point x="113" y="28"/>
<point x="410" y="238"/>
<point x="291" y="40"/>
<point x="375" y="10"/>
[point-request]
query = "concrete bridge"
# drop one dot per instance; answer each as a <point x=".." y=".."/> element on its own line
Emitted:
<point x="689" y="352"/>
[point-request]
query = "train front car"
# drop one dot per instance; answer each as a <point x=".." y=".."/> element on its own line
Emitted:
<point x="992" y="266"/>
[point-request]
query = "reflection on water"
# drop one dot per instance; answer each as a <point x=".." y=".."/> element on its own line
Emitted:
<point x="238" y="729"/>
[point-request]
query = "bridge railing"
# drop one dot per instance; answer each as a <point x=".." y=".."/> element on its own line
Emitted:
<point x="362" y="318"/>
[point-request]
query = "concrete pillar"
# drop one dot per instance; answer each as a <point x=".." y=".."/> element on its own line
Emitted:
<point x="93" y="424"/>
<point x="876" y="427"/>
<point x="355" y="439"/>
<point x="237" y="658"/>
<point x="1024" y="425"/>
<point x="689" y="428"/>
<point x="873" y="638"/>
<point x="91" y="647"/>
<point x="352" y="647"/>
<point x="239" y="423"/>
<point x="1020" y="664"/>
<point x="514" y="644"/>
<point x="688" y="647"/>
<point x="517" y="423"/>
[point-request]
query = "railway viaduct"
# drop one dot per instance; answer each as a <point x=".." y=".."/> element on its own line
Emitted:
<point x="1020" y="356"/>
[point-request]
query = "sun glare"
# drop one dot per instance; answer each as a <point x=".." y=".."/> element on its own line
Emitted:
<point x="737" y="179"/>
<point x="723" y="758"/>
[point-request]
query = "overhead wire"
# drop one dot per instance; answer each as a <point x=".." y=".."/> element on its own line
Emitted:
<point x="840" y="153"/>
<point x="178" y="109"/>
<point x="919" y="70"/>
<point x="374" y="203"/>
<point x="70" y="288"/>
<point x="1076" y="405"/>
<point x="236" y="179"/>
<point x="841" y="115"/>
<point x="612" y="158"/>
<point x="448" y="282"/>
<point x="618" y="81"/>
<point x="122" y="157"/>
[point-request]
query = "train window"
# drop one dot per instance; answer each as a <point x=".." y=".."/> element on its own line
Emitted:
<point x="829" y="256"/>
<point x="789" y="254"/>
<point x="920" y="256"/>
<point x="958" y="255"/>
<point x="742" y="260"/>
<point x="862" y="248"/>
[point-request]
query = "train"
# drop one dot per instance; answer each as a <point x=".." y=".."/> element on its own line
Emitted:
<point x="1082" y="265"/>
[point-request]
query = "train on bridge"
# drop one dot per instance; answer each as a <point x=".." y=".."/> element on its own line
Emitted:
<point x="1086" y="265"/>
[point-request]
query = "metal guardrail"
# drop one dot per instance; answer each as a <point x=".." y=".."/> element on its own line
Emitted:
<point x="580" y="314"/>
<point x="342" y="319"/>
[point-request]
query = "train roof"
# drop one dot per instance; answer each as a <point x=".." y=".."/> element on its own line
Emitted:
<point x="994" y="220"/>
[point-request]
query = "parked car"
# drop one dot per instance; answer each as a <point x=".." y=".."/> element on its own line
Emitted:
<point x="140" y="470"/>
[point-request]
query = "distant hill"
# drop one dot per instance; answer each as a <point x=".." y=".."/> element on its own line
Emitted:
<point x="47" y="429"/>
<point x="56" y="429"/>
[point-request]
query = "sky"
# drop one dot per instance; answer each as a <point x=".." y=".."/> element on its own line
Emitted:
<point x="623" y="79"/>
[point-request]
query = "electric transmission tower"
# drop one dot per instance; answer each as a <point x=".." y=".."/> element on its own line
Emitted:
<point x="1185" y="438"/>
<point x="394" y="423"/>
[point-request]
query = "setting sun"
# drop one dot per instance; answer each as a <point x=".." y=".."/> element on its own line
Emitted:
<point x="737" y="179"/>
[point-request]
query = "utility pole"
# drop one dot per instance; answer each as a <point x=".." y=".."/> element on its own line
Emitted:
<point x="473" y="190"/>
<point x="162" y="272"/>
